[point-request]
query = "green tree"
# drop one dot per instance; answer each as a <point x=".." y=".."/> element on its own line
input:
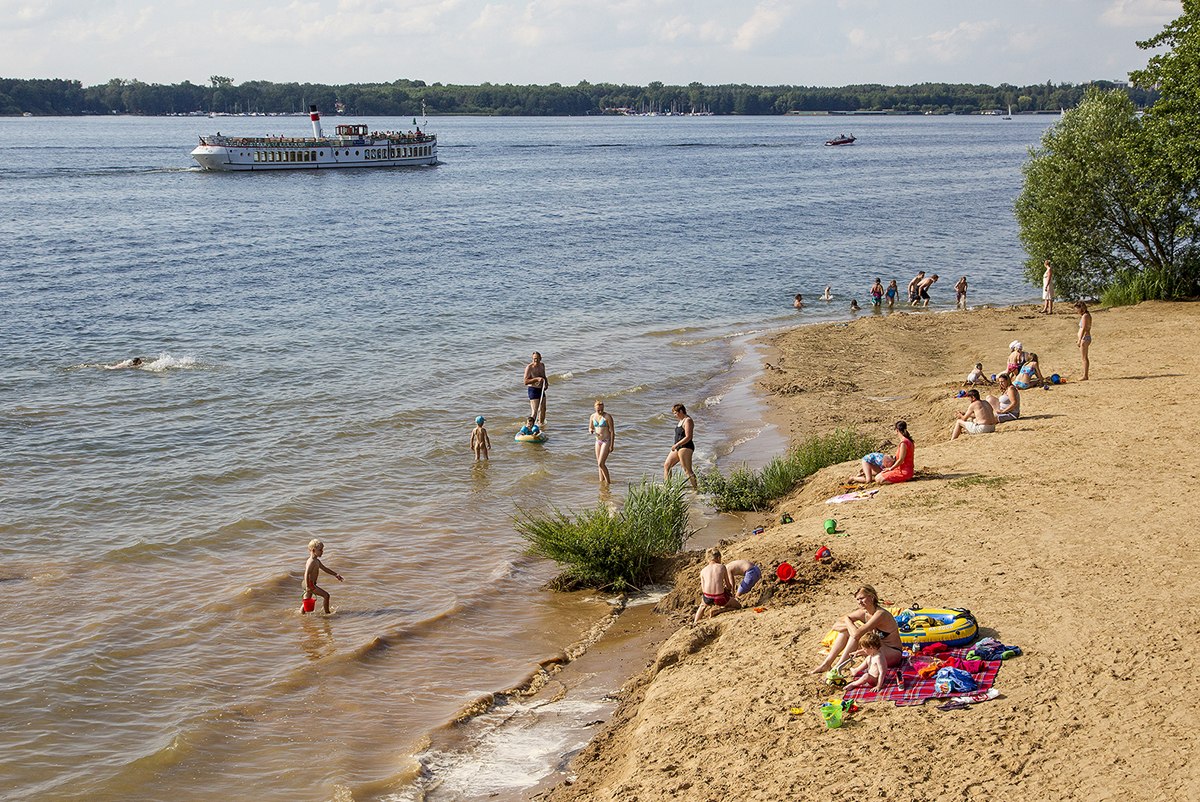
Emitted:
<point x="1093" y="204"/>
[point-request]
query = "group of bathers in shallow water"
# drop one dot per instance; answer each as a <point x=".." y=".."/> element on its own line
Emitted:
<point x="601" y="426"/>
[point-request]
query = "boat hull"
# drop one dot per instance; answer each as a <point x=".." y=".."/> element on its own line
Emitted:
<point x="223" y="158"/>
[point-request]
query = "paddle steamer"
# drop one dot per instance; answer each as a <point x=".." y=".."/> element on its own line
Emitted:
<point x="353" y="146"/>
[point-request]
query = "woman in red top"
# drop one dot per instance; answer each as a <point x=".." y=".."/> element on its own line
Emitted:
<point x="902" y="469"/>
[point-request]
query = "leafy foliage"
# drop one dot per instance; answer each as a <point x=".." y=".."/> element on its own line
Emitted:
<point x="609" y="549"/>
<point x="404" y="98"/>
<point x="747" y="489"/>
<point x="1098" y="204"/>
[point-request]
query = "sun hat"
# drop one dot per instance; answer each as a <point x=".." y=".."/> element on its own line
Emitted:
<point x="1015" y="344"/>
<point x="479" y="420"/>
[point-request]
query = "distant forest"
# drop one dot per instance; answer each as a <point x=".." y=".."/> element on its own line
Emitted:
<point x="403" y="98"/>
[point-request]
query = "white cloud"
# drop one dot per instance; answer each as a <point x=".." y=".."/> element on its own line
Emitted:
<point x="1140" y="13"/>
<point x="960" y="41"/>
<point x="763" y="23"/>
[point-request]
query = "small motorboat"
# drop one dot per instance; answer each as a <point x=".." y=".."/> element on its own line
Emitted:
<point x="844" y="139"/>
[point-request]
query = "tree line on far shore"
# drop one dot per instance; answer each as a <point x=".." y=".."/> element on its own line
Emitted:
<point x="404" y="98"/>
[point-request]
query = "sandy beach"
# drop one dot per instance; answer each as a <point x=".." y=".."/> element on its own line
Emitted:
<point x="1069" y="532"/>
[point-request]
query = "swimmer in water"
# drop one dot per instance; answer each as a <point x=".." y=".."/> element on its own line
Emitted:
<point x="136" y="362"/>
<point x="827" y="296"/>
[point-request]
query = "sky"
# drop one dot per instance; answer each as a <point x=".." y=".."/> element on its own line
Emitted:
<point x="768" y="42"/>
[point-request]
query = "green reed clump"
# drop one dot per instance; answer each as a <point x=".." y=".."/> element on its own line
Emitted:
<point x="1153" y="284"/>
<point x="747" y="489"/>
<point x="611" y="549"/>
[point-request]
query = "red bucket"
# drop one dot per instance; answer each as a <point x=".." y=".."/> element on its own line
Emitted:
<point x="309" y="604"/>
<point x="785" y="572"/>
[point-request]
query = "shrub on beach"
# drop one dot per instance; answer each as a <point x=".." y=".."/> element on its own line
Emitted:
<point x="747" y="489"/>
<point x="1153" y="284"/>
<point x="611" y="549"/>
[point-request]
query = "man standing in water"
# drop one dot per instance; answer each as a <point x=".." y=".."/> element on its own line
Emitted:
<point x="535" y="387"/>
<point x="914" y="295"/>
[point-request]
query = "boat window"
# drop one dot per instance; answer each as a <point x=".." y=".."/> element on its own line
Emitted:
<point x="356" y="153"/>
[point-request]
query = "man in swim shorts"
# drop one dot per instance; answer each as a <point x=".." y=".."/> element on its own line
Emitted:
<point x="716" y="588"/>
<point x="748" y="571"/>
<point x="914" y="294"/>
<point x="535" y="386"/>
<point x="979" y="417"/>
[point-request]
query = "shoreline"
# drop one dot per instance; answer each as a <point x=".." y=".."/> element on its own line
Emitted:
<point x="1027" y="567"/>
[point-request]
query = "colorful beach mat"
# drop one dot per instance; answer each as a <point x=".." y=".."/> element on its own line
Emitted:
<point x="918" y="689"/>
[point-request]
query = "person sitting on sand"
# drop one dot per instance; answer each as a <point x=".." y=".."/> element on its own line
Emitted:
<point x="902" y="464"/>
<point x="749" y="572"/>
<point x="1008" y="404"/>
<point x="1029" y="374"/>
<point x="716" y="588"/>
<point x="798" y="301"/>
<point x="869" y="617"/>
<point x="827" y="296"/>
<point x="874" y="667"/>
<point x="1016" y="358"/>
<point x="873" y="464"/>
<point x="977" y="376"/>
<point x="977" y="418"/>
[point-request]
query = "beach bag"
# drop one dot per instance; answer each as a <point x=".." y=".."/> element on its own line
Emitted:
<point x="953" y="680"/>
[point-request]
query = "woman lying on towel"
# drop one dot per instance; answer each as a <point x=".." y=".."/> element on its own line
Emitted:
<point x="869" y="617"/>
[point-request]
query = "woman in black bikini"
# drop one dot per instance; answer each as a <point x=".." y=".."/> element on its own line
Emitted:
<point x="683" y="449"/>
<point x="869" y="617"/>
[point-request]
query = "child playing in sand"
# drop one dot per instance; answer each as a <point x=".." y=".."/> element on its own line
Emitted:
<point x="872" y="668"/>
<point x="749" y="572"/>
<point x="716" y="588"/>
<point x="312" y="571"/>
<point x="873" y="464"/>
<point x="480" y="442"/>
<point x="977" y="376"/>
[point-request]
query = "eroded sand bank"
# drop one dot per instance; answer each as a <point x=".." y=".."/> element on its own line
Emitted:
<point x="1071" y="532"/>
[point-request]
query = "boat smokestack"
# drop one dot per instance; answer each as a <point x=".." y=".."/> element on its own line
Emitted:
<point x="315" y="116"/>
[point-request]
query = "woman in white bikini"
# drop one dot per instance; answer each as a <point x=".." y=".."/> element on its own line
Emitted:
<point x="1085" y="335"/>
<point x="869" y="617"/>
<point x="601" y="425"/>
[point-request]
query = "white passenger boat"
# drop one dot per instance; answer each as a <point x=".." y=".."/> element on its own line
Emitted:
<point x="353" y="146"/>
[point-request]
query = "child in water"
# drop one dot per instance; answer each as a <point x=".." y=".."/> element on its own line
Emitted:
<point x="312" y="571"/>
<point x="854" y="305"/>
<point x="827" y="296"/>
<point x="480" y="442"/>
<point x="891" y="293"/>
<point x="530" y="427"/>
<point x="872" y="669"/>
<point x="798" y="301"/>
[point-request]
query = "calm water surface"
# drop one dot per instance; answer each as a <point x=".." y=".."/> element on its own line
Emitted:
<point x="317" y="346"/>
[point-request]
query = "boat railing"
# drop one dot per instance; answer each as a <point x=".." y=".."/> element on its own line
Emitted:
<point x="310" y="142"/>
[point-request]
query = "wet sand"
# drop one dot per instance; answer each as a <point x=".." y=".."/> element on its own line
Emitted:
<point x="1069" y="532"/>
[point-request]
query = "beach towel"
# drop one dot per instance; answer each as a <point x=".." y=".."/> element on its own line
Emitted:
<point x="858" y="495"/>
<point x="918" y="689"/>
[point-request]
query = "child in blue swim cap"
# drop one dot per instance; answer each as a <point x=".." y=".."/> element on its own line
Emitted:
<point x="480" y="442"/>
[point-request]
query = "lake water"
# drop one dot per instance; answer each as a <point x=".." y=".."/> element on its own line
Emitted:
<point x="317" y="345"/>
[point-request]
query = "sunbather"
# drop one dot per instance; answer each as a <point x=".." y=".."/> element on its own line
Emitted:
<point x="869" y="617"/>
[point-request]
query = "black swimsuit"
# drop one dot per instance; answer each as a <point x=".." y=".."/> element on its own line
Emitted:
<point x="679" y="434"/>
